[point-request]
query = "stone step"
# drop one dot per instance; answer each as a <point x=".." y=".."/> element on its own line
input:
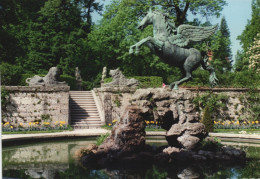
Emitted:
<point x="84" y="116"/>
<point x="84" y="112"/>
<point x="83" y="104"/>
<point x="85" y="119"/>
<point x="90" y="109"/>
<point x="81" y="95"/>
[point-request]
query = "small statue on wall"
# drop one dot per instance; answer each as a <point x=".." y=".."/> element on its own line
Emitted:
<point x="104" y="74"/>
<point x="77" y="74"/>
<point x="51" y="79"/>
<point x="78" y="79"/>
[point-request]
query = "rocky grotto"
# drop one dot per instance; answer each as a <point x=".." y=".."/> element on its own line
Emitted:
<point x="176" y="113"/>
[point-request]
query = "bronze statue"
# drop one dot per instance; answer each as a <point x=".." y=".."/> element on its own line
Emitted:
<point x="168" y="43"/>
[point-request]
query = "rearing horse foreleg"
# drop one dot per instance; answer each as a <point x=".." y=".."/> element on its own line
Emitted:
<point x="176" y="83"/>
<point x="149" y="39"/>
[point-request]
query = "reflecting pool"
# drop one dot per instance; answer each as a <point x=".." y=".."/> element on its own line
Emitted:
<point x="55" y="159"/>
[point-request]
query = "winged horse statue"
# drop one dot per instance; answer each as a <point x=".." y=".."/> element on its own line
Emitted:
<point x="168" y="43"/>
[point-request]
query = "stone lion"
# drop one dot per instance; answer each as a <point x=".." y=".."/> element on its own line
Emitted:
<point x="50" y="79"/>
<point x="118" y="79"/>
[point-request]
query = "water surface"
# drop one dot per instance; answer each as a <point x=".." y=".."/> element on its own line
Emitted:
<point x="55" y="159"/>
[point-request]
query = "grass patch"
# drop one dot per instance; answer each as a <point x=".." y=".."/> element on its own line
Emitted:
<point x="106" y="127"/>
<point x="237" y="131"/>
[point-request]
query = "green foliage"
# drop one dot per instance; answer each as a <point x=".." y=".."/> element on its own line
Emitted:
<point x="149" y="81"/>
<point x="207" y="120"/>
<point x="10" y="74"/>
<point x="117" y="102"/>
<point x="200" y="78"/>
<point x="46" y="117"/>
<point x="155" y="173"/>
<point x="211" y="144"/>
<point x="252" y="104"/>
<point x="214" y="102"/>
<point x="71" y="81"/>
<point x="221" y="47"/>
<point x="101" y="139"/>
<point x="179" y="9"/>
<point x="108" y="80"/>
<point x="4" y="95"/>
<point x="252" y="28"/>
<point x="145" y="81"/>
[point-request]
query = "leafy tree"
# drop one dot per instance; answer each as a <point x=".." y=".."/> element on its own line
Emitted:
<point x="207" y="120"/>
<point x="87" y="7"/>
<point x="110" y="41"/>
<point x="252" y="28"/>
<point x="221" y="48"/>
<point x="179" y="8"/>
<point x="15" y="19"/>
<point x="10" y="74"/>
<point x="55" y="37"/>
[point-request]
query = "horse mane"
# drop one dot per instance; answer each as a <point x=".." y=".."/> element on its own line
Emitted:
<point x="170" y="24"/>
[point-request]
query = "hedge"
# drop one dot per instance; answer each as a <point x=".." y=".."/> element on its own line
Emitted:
<point x="149" y="81"/>
<point x="145" y="81"/>
<point x="71" y="81"/>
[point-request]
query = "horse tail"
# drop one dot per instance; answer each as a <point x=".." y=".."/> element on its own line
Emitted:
<point x="212" y="78"/>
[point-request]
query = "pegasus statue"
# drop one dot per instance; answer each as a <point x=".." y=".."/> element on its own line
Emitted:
<point x="169" y="42"/>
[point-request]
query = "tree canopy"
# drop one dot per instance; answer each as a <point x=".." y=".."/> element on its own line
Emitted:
<point x="36" y="35"/>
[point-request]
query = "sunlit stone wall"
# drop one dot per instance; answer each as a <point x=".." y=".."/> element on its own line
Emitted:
<point x="114" y="100"/>
<point x="26" y="105"/>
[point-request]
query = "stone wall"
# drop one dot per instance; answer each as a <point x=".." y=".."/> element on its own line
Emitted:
<point x="36" y="104"/>
<point x="115" y="100"/>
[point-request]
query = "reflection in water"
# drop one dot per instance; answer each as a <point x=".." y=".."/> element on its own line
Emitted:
<point x="56" y="160"/>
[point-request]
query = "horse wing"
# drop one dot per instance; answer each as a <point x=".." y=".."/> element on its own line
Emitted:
<point x="187" y="33"/>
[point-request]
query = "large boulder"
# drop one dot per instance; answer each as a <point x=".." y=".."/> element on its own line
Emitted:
<point x="176" y="113"/>
<point x="129" y="133"/>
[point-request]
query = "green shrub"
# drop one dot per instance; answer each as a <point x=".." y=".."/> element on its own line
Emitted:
<point x="215" y="102"/>
<point x="149" y="81"/>
<point x="71" y="81"/>
<point x="4" y="94"/>
<point x="87" y="85"/>
<point x="145" y="81"/>
<point x="108" y="80"/>
<point x="10" y="74"/>
<point x="23" y="79"/>
<point x="211" y="144"/>
<point x="207" y="121"/>
<point x="101" y="139"/>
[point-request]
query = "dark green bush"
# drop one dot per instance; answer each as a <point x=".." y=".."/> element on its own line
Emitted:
<point x="108" y="80"/>
<point x="149" y="81"/>
<point x="4" y="94"/>
<point x="145" y="81"/>
<point x="10" y="74"/>
<point x="86" y="85"/>
<point x="207" y="121"/>
<point x="23" y="79"/>
<point x="71" y="81"/>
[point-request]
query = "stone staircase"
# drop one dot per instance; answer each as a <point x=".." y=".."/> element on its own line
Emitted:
<point x="83" y="110"/>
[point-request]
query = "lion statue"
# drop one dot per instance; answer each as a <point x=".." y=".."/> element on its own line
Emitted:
<point x="49" y="80"/>
<point x="118" y="79"/>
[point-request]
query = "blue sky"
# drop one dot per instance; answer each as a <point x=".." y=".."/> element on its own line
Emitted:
<point x="237" y="13"/>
